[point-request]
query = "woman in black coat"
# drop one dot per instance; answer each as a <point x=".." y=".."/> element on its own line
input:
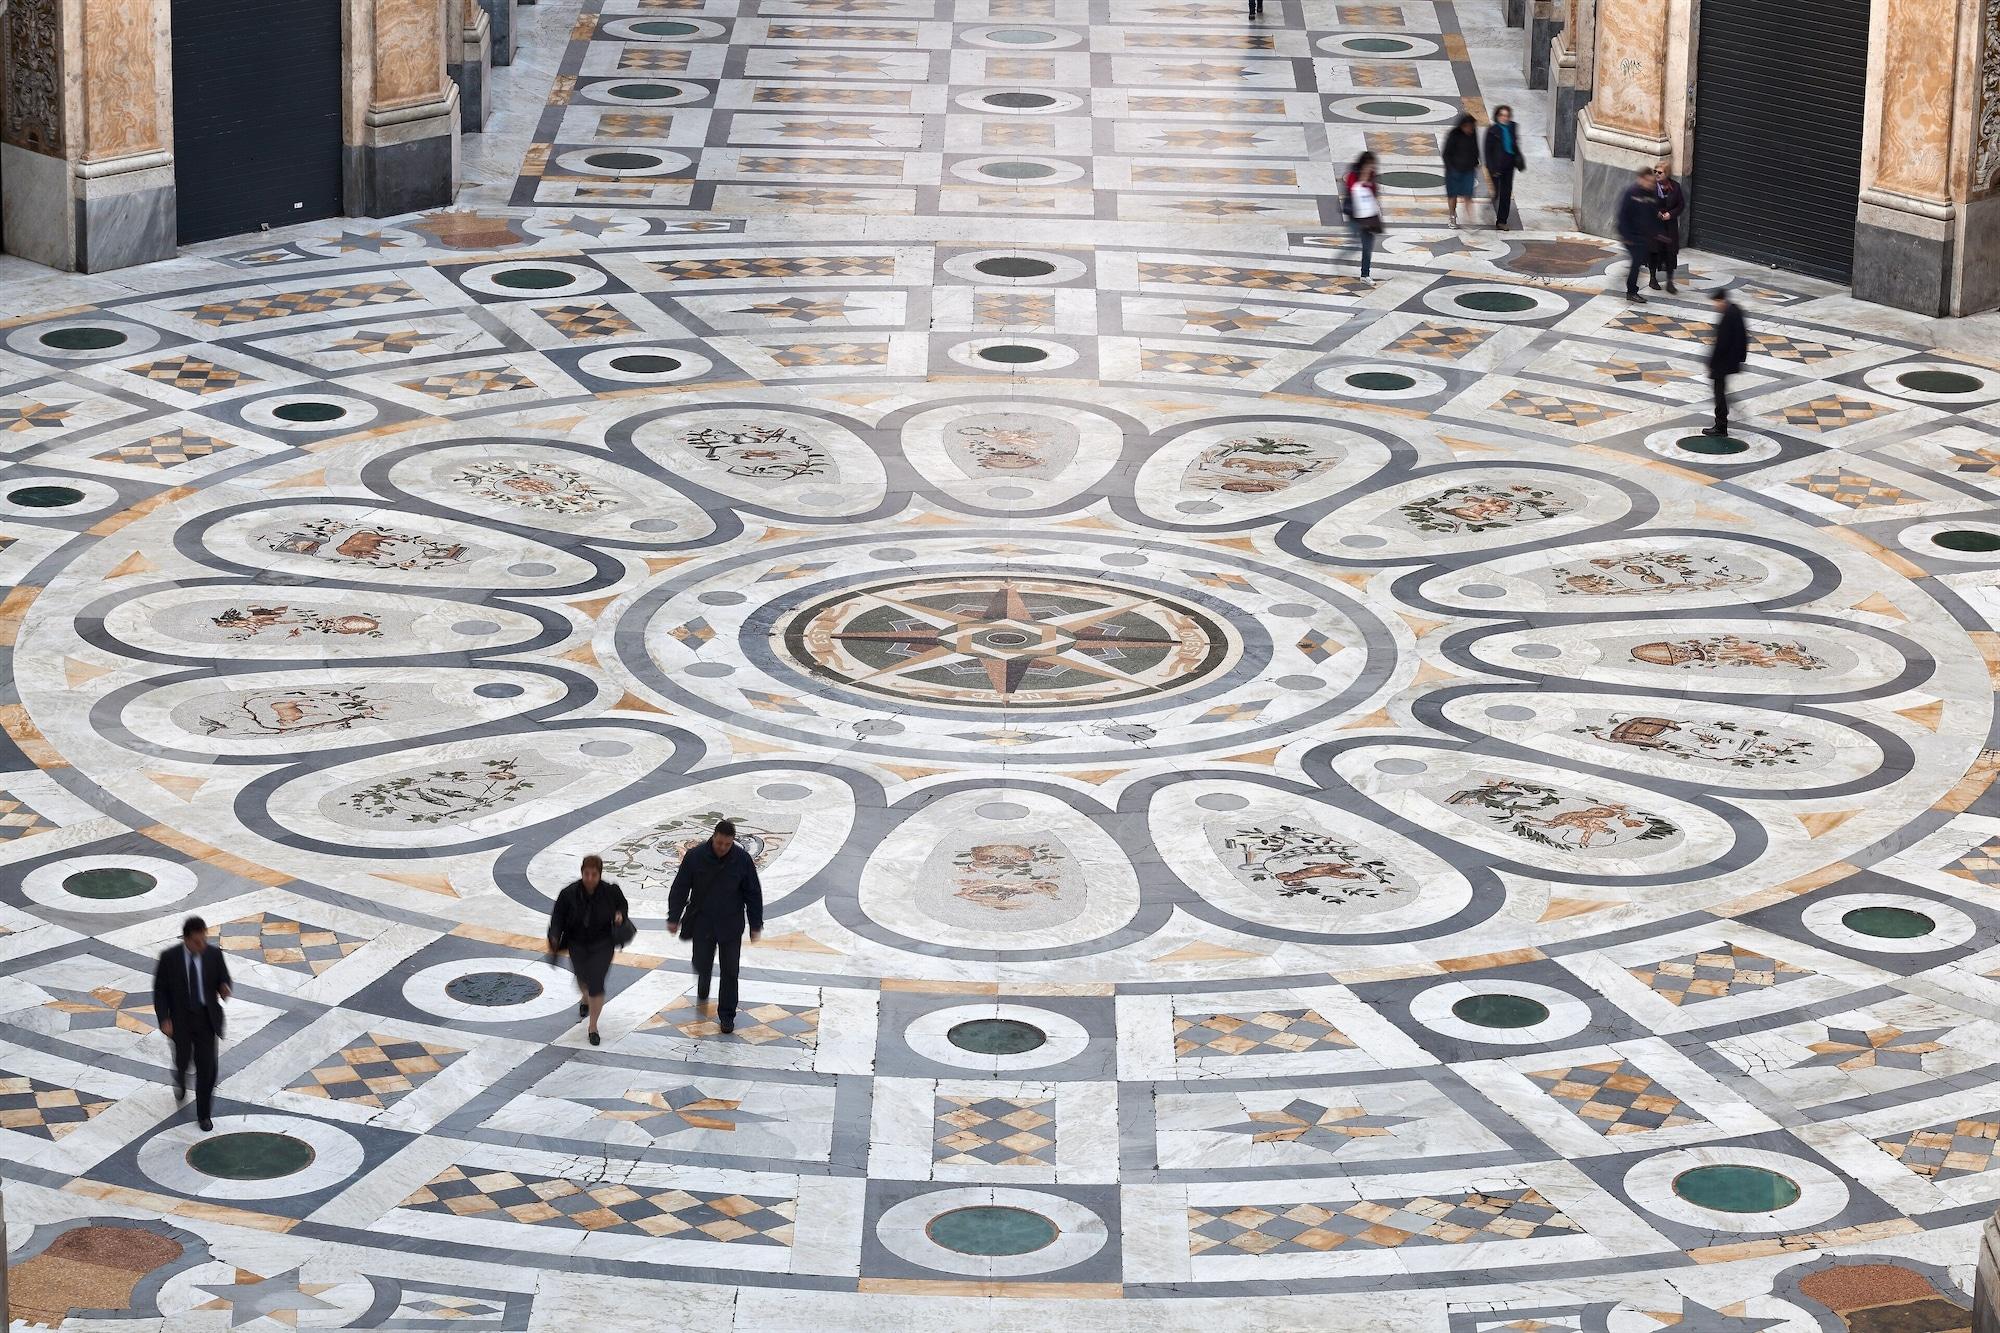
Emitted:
<point x="1503" y="158"/>
<point x="1461" y="165"/>
<point x="1665" y="255"/>
<point x="589" y="921"/>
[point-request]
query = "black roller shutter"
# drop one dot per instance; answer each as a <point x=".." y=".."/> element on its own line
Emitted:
<point x="1779" y="86"/>
<point x="256" y="114"/>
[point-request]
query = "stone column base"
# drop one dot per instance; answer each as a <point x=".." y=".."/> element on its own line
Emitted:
<point x="408" y="162"/>
<point x="1544" y="22"/>
<point x="88" y="217"/>
<point x="1986" y="1286"/>
<point x="500" y="18"/>
<point x="1606" y="161"/>
<point x="473" y="73"/>
<point x="1517" y="12"/>
<point x="1904" y="259"/>
<point x="1566" y="102"/>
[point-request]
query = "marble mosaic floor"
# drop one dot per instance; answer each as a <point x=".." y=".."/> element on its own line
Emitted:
<point x="1274" y="790"/>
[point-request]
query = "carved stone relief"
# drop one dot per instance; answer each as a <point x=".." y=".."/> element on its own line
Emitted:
<point x="32" y="114"/>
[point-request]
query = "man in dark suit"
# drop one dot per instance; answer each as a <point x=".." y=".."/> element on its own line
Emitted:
<point x="189" y="986"/>
<point x="1638" y="223"/>
<point x="1730" y="350"/>
<point x="715" y="892"/>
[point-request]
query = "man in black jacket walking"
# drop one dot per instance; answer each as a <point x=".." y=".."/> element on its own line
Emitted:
<point x="715" y="892"/>
<point x="189" y="985"/>
<point x="1638" y="222"/>
<point x="1730" y="350"/>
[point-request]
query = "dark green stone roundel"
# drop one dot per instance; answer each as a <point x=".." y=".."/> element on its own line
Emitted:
<point x="646" y="92"/>
<point x="1018" y="171"/>
<point x="1970" y="540"/>
<point x="1499" y="1010"/>
<point x="664" y="28"/>
<point x="645" y="363"/>
<point x="1393" y="110"/>
<point x="1013" y="354"/>
<point x="1019" y="101"/>
<point x="1376" y="44"/>
<point x="1496" y="302"/>
<point x="1411" y="180"/>
<point x="1940" y="381"/>
<point x="534" y="279"/>
<point x="82" y="339"/>
<point x="1380" y="381"/>
<point x="45" y="497"/>
<point x="308" y="412"/>
<point x="990" y="1231"/>
<point x="996" y="1036"/>
<point x="492" y="989"/>
<point x="622" y="162"/>
<point x="250" y="1155"/>
<point x="1888" y="923"/>
<point x="108" y="882"/>
<point x="1736" y="1189"/>
<point x="1015" y="266"/>
<point x="1711" y="444"/>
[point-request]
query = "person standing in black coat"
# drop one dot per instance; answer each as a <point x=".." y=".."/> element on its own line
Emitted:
<point x="589" y="921"/>
<point x="189" y="985"/>
<point x="1666" y="252"/>
<point x="1638" y="223"/>
<point x="1503" y="158"/>
<point x="1460" y="151"/>
<point x="1726" y="356"/>
<point x="716" y="891"/>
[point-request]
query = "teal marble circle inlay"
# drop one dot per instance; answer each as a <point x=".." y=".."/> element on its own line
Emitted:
<point x="664" y="28"/>
<point x="996" y="1036"/>
<point x="1940" y="381"/>
<point x="622" y="162"/>
<point x="534" y="279"/>
<point x="1013" y="354"/>
<point x="1711" y="444"/>
<point x="1393" y="110"/>
<point x="645" y="363"/>
<point x="1019" y="101"/>
<point x="1015" y="266"/>
<point x="646" y="92"/>
<point x="1736" y="1189"/>
<point x="1499" y="1010"/>
<point x="1496" y="302"/>
<point x="1018" y="171"/>
<point x="490" y="990"/>
<point x="83" y="339"/>
<point x="1888" y="923"/>
<point x="991" y="1231"/>
<point x="108" y="882"/>
<point x="1411" y="180"/>
<point x="1378" y="44"/>
<point x="1021" y="36"/>
<point x="250" y="1155"/>
<point x="45" y="497"/>
<point x="308" y="412"/>
<point x="1380" y="381"/>
<point x="1968" y="539"/>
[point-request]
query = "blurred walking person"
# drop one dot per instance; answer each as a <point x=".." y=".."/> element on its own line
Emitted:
<point x="1638" y="224"/>
<point x="1666" y="253"/>
<point x="189" y="985"/>
<point x="590" y="921"/>
<point x="1503" y="158"/>
<point x="716" y="893"/>
<point x="1461" y="166"/>
<point x="1726" y="355"/>
<point x="1364" y="208"/>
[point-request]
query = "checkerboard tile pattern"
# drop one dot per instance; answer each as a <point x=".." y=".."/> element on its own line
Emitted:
<point x="1851" y="490"/>
<point x="1388" y="1224"/>
<point x="1264" y="1032"/>
<point x="1980" y="864"/>
<point x="760" y="1024"/>
<point x="168" y="449"/>
<point x="46" y="1110"/>
<point x="1615" y="1097"/>
<point x="20" y="820"/>
<point x="1829" y="413"/>
<point x="664" y="1214"/>
<point x="995" y="1131"/>
<point x="278" y="941"/>
<point x="1946" y="1150"/>
<point x="1715" y="973"/>
<point x="377" y="1070"/>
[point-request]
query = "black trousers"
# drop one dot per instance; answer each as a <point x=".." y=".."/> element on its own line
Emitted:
<point x="1503" y="197"/>
<point x="194" y="1044"/>
<point x="1664" y="262"/>
<point x="706" y="947"/>
<point x="1637" y="254"/>
<point x="1721" y="386"/>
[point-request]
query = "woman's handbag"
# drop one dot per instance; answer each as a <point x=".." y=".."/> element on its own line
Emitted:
<point x="624" y="933"/>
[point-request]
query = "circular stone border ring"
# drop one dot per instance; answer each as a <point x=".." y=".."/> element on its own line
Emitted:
<point x="1650" y="1184"/>
<point x="336" y="1157"/>
<point x="427" y="990"/>
<point x="903" y="1231"/>
<point x="1064" y="1037"/>
<point x="1567" y="1015"/>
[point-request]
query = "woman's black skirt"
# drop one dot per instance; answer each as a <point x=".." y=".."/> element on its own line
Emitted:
<point x="591" y="962"/>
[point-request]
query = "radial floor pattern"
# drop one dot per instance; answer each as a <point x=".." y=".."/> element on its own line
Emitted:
<point x="1272" y="789"/>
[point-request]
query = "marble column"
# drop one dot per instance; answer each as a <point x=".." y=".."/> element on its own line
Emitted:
<point x="1516" y="12"/>
<point x="1570" y="52"/>
<point x="500" y="19"/>
<point x="1545" y="20"/>
<point x="86" y="133"/>
<point x="1638" y="111"/>
<point x="1930" y="158"/>
<point x="472" y="64"/>
<point x="400" y="108"/>
<point x="1986" y="1285"/>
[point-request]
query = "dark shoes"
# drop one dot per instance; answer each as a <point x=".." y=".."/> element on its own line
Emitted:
<point x="180" y="1091"/>
<point x="1653" y="284"/>
<point x="728" y="1026"/>
<point x="596" y="1040"/>
<point x="583" y="1009"/>
<point x="1635" y="296"/>
<point x="206" y="1124"/>
<point x="1715" y="432"/>
<point x="1671" y="289"/>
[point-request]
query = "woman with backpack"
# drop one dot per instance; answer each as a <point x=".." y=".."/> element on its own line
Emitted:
<point x="1364" y="208"/>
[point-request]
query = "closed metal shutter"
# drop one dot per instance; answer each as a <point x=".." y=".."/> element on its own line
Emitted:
<point x="256" y="114"/>
<point x="1779" y="87"/>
